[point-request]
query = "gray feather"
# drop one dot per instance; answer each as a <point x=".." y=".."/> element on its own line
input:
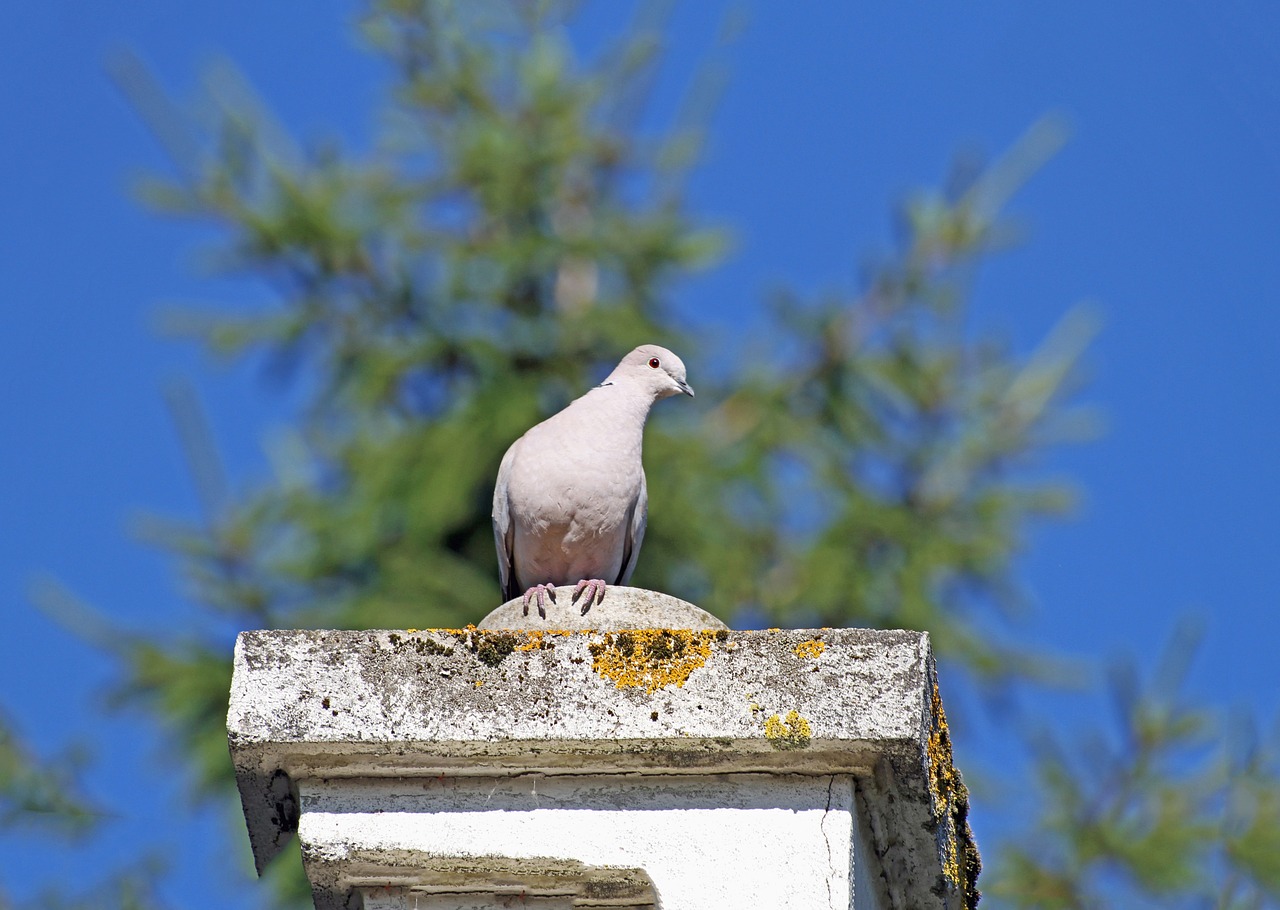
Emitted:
<point x="503" y="528"/>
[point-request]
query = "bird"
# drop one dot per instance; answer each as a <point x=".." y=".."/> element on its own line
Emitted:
<point x="570" y="503"/>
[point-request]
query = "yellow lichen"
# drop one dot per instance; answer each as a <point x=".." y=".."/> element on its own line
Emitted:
<point x="961" y="863"/>
<point x="811" y="648"/>
<point x="792" y="733"/>
<point x="533" y="641"/>
<point x="650" y="658"/>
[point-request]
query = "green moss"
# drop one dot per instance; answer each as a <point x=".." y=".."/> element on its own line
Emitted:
<point x="431" y="646"/>
<point x="494" y="649"/>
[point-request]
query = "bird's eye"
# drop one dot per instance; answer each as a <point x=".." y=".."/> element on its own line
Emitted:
<point x="653" y="362"/>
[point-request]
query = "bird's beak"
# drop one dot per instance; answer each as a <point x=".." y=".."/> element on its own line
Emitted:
<point x="685" y="387"/>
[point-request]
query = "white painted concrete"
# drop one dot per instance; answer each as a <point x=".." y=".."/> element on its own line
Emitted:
<point x="745" y="840"/>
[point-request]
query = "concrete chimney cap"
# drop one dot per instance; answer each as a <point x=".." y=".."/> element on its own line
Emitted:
<point x="317" y="706"/>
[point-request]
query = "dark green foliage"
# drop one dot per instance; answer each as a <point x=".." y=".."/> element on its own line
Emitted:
<point x="36" y="793"/>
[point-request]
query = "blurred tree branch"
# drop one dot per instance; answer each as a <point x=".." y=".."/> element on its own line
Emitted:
<point x="1177" y="807"/>
<point x="45" y="798"/>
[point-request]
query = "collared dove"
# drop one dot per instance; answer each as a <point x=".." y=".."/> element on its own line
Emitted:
<point x="570" y="503"/>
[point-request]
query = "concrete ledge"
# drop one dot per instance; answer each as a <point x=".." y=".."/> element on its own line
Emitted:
<point x="326" y="706"/>
<point x="398" y="879"/>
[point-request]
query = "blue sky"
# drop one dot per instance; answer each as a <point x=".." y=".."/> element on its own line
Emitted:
<point x="1163" y="210"/>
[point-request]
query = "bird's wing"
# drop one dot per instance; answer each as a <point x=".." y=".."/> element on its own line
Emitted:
<point x="503" y="528"/>
<point x="635" y="533"/>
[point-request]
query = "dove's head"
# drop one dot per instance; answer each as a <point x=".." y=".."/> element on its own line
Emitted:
<point x="656" y="369"/>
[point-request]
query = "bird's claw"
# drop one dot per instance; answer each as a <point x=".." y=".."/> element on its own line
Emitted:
<point x="538" y="593"/>
<point x="595" y="592"/>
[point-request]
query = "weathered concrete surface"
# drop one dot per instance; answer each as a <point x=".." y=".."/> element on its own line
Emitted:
<point x="311" y="707"/>
<point x="622" y="608"/>
<point x="393" y="878"/>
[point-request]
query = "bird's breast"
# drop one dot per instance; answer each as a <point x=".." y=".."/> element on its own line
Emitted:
<point x="580" y="468"/>
<point x="574" y="487"/>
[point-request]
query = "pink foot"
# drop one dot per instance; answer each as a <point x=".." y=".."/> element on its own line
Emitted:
<point x="595" y="592"/>
<point x="538" y="593"/>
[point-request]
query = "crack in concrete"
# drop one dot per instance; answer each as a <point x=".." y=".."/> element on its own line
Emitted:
<point x="822" y="826"/>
